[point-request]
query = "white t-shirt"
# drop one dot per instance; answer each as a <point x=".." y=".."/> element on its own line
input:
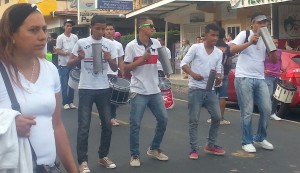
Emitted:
<point x="144" y="78"/>
<point x="88" y="79"/>
<point x="38" y="100"/>
<point x="120" y="52"/>
<point x="159" y="67"/>
<point x="251" y="60"/>
<point x="66" y="44"/>
<point x="201" y="63"/>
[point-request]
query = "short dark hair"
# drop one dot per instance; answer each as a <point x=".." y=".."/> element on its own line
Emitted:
<point x="221" y="33"/>
<point x="142" y="20"/>
<point x="98" y="19"/>
<point x="211" y="26"/>
<point x="110" y="24"/>
<point x="54" y="35"/>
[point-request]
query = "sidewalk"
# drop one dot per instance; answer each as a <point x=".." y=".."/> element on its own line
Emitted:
<point x="177" y="79"/>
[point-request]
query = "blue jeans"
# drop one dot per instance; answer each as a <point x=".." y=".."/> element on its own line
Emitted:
<point x="250" y="91"/>
<point x="197" y="98"/>
<point x="272" y="84"/>
<point x="86" y="99"/>
<point x="67" y="92"/>
<point x="138" y="105"/>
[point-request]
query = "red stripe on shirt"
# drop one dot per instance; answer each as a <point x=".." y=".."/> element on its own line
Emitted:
<point x="151" y="60"/>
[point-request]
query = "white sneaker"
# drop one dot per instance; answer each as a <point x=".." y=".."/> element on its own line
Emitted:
<point x="135" y="161"/>
<point x="72" y="106"/>
<point x="265" y="144"/>
<point x="275" y="117"/>
<point x="66" y="106"/>
<point x="249" y="148"/>
<point x="83" y="168"/>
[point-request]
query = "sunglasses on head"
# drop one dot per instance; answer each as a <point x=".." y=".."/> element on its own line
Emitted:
<point x="147" y="24"/>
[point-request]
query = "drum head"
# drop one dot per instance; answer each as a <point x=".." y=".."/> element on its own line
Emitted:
<point x="164" y="83"/>
<point x="287" y="85"/>
<point x="119" y="83"/>
<point x="75" y="74"/>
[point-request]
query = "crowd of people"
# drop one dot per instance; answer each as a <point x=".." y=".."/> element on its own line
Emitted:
<point x="38" y="121"/>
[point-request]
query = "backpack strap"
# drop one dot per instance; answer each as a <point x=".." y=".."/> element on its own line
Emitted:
<point x="247" y="36"/>
<point x="14" y="102"/>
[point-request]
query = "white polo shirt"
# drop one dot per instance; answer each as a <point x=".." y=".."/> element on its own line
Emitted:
<point x="201" y="63"/>
<point x="251" y="60"/>
<point x="144" y="78"/>
<point x="88" y="79"/>
<point x="66" y="44"/>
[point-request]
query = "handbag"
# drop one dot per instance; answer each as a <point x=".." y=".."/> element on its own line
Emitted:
<point x="16" y="106"/>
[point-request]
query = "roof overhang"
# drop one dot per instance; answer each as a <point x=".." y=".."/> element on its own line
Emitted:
<point x="163" y="7"/>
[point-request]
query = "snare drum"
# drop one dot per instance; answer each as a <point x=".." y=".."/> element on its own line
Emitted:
<point x="120" y="90"/>
<point x="74" y="78"/>
<point x="285" y="91"/>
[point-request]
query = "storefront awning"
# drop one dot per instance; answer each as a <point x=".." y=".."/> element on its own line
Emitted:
<point x="247" y="3"/>
<point x="165" y="6"/>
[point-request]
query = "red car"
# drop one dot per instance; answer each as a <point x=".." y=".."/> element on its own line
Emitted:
<point x="291" y="72"/>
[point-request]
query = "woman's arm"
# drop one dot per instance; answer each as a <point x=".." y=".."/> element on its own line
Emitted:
<point x="61" y="139"/>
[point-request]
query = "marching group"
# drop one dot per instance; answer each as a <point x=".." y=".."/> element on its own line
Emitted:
<point x="38" y="93"/>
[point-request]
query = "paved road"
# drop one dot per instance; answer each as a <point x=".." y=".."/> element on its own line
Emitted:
<point x="283" y="134"/>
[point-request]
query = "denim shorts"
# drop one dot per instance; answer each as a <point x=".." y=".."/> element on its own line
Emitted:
<point x="222" y="91"/>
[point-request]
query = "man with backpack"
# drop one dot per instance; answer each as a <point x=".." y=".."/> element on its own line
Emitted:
<point x="250" y="84"/>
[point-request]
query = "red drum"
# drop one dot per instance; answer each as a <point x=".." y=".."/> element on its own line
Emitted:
<point x="120" y="90"/>
<point x="165" y="88"/>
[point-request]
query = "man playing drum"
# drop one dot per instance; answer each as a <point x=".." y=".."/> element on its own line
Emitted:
<point x="141" y="56"/>
<point x="94" y="88"/>
<point x="109" y="34"/>
<point x="250" y="84"/>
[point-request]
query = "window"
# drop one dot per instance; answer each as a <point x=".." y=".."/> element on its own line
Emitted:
<point x="233" y="29"/>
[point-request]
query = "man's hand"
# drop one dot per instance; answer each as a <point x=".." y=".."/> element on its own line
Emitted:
<point x="106" y="55"/>
<point x="196" y="76"/>
<point x="81" y="54"/>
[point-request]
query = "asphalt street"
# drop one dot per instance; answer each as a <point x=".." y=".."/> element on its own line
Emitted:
<point x="283" y="134"/>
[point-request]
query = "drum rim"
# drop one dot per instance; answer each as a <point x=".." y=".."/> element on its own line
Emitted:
<point x="113" y="86"/>
<point x="280" y="83"/>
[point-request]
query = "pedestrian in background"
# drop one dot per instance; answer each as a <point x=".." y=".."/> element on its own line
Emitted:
<point x="22" y="41"/>
<point x="250" y="85"/>
<point x="222" y="90"/>
<point x="141" y="58"/>
<point x="203" y="57"/>
<point x="94" y="88"/>
<point x="272" y="74"/>
<point x="182" y="52"/>
<point x="64" y="45"/>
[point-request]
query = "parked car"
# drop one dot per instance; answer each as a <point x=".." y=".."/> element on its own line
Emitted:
<point x="290" y="72"/>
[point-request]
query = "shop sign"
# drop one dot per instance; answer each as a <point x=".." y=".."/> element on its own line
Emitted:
<point x="249" y="3"/>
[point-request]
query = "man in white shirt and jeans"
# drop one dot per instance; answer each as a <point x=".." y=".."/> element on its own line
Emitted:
<point x="141" y="60"/>
<point x="250" y="84"/>
<point x="94" y="88"/>
<point x="200" y="59"/>
<point x="64" y="45"/>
